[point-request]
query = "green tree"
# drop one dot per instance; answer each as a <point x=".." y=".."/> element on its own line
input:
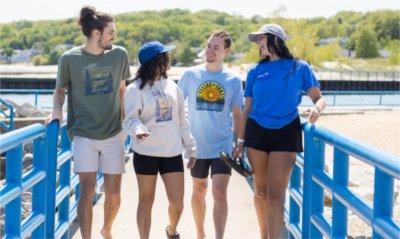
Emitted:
<point x="40" y="60"/>
<point x="366" y="43"/>
<point x="394" y="49"/>
<point x="186" y="56"/>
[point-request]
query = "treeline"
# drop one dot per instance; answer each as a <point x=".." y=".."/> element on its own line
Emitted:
<point x="364" y="33"/>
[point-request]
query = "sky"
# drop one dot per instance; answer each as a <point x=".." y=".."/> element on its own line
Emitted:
<point x="13" y="10"/>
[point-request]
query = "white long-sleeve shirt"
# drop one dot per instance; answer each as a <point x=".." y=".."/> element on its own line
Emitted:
<point x="160" y="111"/>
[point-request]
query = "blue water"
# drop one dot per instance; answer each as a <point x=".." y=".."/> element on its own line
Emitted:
<point x="45" y="101"/>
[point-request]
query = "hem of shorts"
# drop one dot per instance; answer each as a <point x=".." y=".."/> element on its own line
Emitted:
<point x="89" y="136"/>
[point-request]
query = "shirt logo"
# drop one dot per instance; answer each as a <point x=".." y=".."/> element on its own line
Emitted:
<point x="163" y="106"/>
<point x="210" y="96"/>
<point x="98" y="80"/>
<point x="263" y="75"/>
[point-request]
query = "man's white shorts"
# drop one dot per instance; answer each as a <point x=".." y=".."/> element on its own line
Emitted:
<point x="106" y="156"/>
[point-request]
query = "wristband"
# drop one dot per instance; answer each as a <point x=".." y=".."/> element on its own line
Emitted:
<point x="240" y="141"/>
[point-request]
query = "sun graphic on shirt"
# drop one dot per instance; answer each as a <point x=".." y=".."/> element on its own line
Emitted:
<point x="211" y="92"/>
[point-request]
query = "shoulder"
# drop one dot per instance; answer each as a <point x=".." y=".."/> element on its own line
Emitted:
<point x="71" y="53"/>
<point x="303" y="65"/>
<point x="118" y="50"/>
<point x="194" y="70"/>
<point x="171" y="83"/>
<point x="254" y="68"/>
<point x="134" y="86"/>
<point x="230" y="75"/>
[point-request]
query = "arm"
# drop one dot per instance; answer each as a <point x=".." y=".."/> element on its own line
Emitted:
<point x="58" y="102"/>
<point x="188" y="140"/>
<point x="133" y="106"/>
<point x="121" y="95"/>
<point x="238" y="150"/>
<point x="236" y="118"/>
<point x="319" y="104"/>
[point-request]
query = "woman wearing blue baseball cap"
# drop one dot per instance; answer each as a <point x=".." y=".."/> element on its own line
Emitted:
<point x="271" y="125"/>
<point x="156" y="121"/>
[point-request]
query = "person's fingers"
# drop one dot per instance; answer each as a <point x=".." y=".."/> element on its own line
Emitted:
<point x="191" y="163"/>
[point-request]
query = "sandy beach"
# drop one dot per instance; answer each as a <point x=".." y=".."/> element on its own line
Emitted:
<point x="377" y="127"/>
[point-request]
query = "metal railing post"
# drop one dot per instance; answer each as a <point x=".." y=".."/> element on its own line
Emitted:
<point x="340" y="179"/>
<point x="39" y="190"/>
<point x="51" y="172"/>
<point x="13" y="212"/>
<point x="383" y="201"/>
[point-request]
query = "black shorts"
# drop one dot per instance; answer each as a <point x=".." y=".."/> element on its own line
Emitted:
<point x="202" y="167"/>
<point x="286" y="139"/>
<point x="149" y="165"/>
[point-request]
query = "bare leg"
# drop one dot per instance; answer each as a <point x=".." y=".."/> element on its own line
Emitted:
<point x="199" y="204"/>
<point x="280" y="166"/>
<point x="174" y="186"/>
<point x="259" y="163"/>
<point x="220" y="212"/>
<point x="112" y="187"/>
<point x="87" y="182"/>
<point x="147" y="188"/>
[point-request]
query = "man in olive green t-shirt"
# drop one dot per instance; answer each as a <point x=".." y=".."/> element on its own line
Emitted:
<point x="94" y="76"/>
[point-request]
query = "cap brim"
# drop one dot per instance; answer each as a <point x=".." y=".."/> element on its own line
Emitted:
<point x="169" y="48"/>
<point x="254" y="36"/>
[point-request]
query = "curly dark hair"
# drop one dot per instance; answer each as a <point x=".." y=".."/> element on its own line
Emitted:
<point x="153" y="70"/>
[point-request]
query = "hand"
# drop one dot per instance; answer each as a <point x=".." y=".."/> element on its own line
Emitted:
<point x="191" y="163"/>
<point x="313" y="115"/>
<point x="55" y="115"/>
<point x="238" y="150"/>
<point x="142" y="136"/>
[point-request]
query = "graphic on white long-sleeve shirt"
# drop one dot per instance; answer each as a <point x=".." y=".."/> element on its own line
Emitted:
<point x="163" y="106"/>
<point x="98" y="80"/>
<point x="210" y="96"/>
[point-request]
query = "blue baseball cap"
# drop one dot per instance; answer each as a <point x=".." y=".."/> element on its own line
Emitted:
<point x="151" y="49"/>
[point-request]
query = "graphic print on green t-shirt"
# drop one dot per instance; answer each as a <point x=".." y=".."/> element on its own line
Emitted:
<point x="98" y="80"/>
<point x="210" y="96"/>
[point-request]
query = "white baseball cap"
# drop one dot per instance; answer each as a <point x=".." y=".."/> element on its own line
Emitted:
<point x="272" y="28"/>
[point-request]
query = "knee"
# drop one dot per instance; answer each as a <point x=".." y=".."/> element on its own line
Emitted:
<point x="261" y="193"/>
<point x="145" y="202"/>
<point x="219" y="194"/>
<point x="113" y="196"/>
<point x="176" y="205"/>
<point x="276" y="198"/>
<point x="200" y="191"/>
<point x="86" y="195"/>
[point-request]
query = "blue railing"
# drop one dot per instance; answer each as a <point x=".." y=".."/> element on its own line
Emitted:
<point x="306" y="219"/>
<point x="9" y="116"/>
<point x="51" y="181"/>
<point x="52" y="184"/>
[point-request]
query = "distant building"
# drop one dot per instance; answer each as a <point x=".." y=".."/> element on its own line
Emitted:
<point x="341" y="40"/>
<point x="19" y="56"/>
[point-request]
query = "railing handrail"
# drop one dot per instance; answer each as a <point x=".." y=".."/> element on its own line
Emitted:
<point x="19" y="136"/>
<point x="51" y="171"/>
<point x="374" y="157"/>
<point x="307" y="196"/>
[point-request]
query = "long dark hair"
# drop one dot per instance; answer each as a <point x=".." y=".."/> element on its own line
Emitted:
<point x="91" y="19"/>
<point x="153" y="70"/>
<point x="278" y="47"/>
